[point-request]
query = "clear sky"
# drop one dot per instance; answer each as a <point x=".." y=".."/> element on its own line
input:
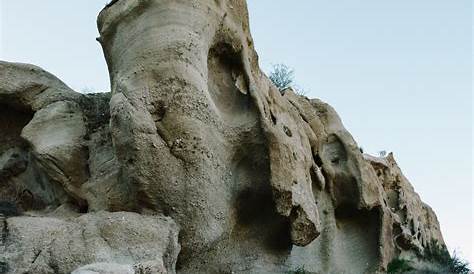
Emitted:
<point x="398" y="72"/>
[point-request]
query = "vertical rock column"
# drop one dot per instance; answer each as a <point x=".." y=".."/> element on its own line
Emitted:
<point x="189" y="103"/>
<point x="173" y="137"/>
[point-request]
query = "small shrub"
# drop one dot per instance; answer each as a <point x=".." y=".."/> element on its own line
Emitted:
<point x="299" y="270"/>
<point x="458" y="265"/>
<point x="438" y="254"/>
<point x="282" y="76"/>
<point x="399" y="266"/>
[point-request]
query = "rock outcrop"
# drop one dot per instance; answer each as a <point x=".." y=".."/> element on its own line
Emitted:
<point x="95" y="241"/>
<point x="192" y="138"/>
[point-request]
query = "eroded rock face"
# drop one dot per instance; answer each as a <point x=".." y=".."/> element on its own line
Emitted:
<point x="255" y="180"/>
<point x="128" y="240"/>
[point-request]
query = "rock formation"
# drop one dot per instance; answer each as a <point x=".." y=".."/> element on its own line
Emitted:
<point x="194" y="163"/>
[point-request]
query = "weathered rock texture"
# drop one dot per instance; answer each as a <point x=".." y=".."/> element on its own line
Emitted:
<point x="194" y="138"/>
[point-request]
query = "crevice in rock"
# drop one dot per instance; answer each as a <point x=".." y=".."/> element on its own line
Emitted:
<point x="96" y="111"/>
<point x="274" y="119"/>
<point x="287" y="131"/>
<point x="35" y="257"/>
<point x="317" y="160"/>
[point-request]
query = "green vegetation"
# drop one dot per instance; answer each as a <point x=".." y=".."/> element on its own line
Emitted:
<point x="399" y="266"/>
<point x="438" y="254"/>
<point x="299" y="270"/>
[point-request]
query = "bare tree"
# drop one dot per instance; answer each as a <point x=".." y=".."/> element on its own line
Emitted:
<point x="282" y="76"/>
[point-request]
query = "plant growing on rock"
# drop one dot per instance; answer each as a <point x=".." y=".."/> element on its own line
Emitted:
<point x="438" y="254"/>
<point x="399" y="265"/>
<point x="282" y="76"/>
<point x="299" y="270"/>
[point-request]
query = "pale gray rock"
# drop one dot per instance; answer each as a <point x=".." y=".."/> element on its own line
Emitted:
<point x="101" y="242"/>
<point x="30" y="88"/>
<point x="257" y="180"/>
<point x="56" y="136"/>
<point x="105" y="268"/>
<point x="43" y="122"/>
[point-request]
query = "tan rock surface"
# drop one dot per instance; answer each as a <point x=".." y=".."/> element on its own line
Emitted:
<point x="51" y="245"/>
<point x="257" y="181"/>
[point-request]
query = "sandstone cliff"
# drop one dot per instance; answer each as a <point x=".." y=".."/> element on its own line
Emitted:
<point x="194" y="163"/>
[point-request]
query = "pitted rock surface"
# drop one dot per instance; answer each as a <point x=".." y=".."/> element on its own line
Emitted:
<point x="193" y="140"/>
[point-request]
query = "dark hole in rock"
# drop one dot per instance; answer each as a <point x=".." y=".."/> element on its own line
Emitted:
<point x="396" y="229"/>
<point x="83" y="208"/>
<point x="317" y="160"/>
<point x="256" y="214"/>
<point x="27" y="201"/>
<point x="403" y="241"/>
<point x="12" y="165"/>
<point x="274" y="119"/>
<point x="346" y="211"/>
<point x="9" y="209"/>
<point x="345" y="191"/>
<point x="160" y="110"/>
<point x="3" y="267"/>
<point x="412" y="226"/>
<point x="12" y="121"/>
<point x="287" y="131"/>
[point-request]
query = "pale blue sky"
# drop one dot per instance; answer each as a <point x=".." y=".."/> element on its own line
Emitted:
<point x="398" y="72"/>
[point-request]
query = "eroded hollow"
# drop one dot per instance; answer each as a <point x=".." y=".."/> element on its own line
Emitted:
<point x="257" y="216"/>
<point x="335" y="151"/>
<point x="12" y="121"/>
<point x="357" y="241"/>
<point x="344" y="186"/>
<point x="13" y="158"/>
<point x="24" y="185"/>
<point x="228" y="85"/>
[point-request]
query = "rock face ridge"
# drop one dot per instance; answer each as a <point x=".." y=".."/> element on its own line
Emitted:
<point x="194" y="163"/>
